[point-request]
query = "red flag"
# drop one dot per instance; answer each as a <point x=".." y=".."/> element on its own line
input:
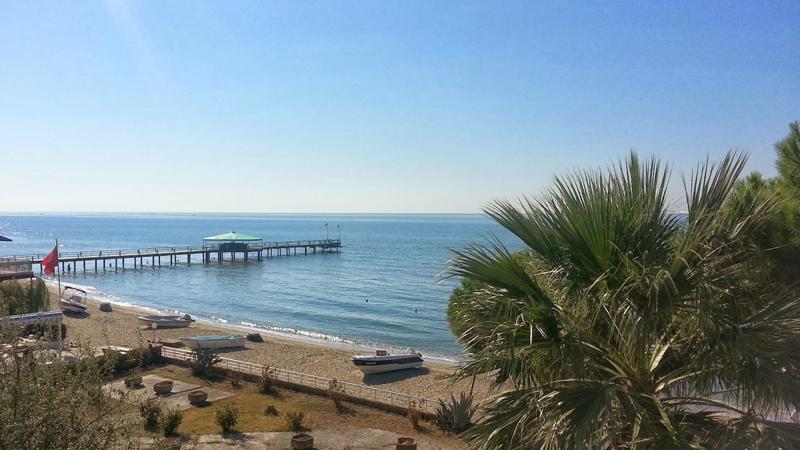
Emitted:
<point x="50" y="262"/>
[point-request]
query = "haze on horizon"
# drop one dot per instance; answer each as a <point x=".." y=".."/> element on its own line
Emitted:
<point x="293" y="107"/>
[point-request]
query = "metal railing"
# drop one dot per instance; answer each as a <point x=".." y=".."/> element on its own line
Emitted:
<point x="156" y="251"/>
<point x="14" y="266"/>
<point x="368" y="393"/>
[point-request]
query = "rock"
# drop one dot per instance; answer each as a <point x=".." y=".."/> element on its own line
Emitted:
<point x="255" y="337"/>
<point x="105" y="307"/>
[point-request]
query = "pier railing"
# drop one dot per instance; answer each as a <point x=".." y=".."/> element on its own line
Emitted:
<point x="368" y="393"/>
<point x="137" y="252"/>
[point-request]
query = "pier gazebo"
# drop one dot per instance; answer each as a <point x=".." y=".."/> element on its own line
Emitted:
<point x="232" y="243"/>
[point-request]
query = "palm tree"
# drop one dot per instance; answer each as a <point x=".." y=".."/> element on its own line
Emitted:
<point x="620" y="325"/>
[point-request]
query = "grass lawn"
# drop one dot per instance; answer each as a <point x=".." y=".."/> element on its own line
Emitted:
<point x="320" y="412"/>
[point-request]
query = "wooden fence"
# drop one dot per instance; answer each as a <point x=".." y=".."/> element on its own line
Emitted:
<point x="370" y="394"/>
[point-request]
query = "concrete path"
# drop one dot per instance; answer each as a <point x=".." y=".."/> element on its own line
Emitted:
<point x="177" y="399"/>
<point x="330" y="439"/>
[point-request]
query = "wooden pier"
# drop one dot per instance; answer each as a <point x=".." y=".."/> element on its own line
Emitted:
<point x="101" y="260"/>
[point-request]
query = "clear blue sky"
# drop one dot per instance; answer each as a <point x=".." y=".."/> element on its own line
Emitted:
<point x="374" y="106"/>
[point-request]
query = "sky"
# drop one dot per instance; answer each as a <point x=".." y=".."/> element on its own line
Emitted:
<point x="375" y="106"/>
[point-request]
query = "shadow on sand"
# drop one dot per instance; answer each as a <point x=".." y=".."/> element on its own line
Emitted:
<point x="391" y="377"/>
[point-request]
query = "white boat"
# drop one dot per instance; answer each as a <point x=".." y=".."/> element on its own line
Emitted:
<point x="167" y="321"/>
<point x="213" y="342"/>
<point x="382" y="361"/>
<point x="73" y="300"/>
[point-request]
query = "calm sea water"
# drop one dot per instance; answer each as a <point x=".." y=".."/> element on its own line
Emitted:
<point x="381" y="290"/>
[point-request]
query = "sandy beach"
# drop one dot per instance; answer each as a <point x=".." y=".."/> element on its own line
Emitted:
<point x="121" y="327"/>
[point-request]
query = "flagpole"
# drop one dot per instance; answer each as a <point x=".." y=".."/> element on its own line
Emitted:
<point x="58" y="269"/>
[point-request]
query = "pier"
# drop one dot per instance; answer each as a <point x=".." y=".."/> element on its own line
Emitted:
<point x="102" y="260"/>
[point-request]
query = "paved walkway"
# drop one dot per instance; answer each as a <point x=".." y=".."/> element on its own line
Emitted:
<point x="177" y="399"/>
<point x="330" y="439"/>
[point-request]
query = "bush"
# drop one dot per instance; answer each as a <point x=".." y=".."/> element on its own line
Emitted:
<point x="265" y="382"/>
<point x="270" y="410"/>
<point x="171" y="421"/>
<point x="43" y="330"/>
<point x="455" y="416"/>
<point x="336" y="392"/>
<point x="227" y="416"/>
<point x="23" y="297"/>
<point x="295" y="420"/>
<point x="204" y="360"/>
<point x="235" y="378"/>
<point x="143" y="357"/>
<point x="414" y="414"/>
<point x="151" y="413"/>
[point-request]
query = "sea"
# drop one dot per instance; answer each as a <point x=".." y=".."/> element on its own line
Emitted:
<point x="384" y="289"/>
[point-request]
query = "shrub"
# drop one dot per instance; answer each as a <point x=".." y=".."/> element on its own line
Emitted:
<point x="204" y="360"/>
<point x="21" y="298"/>
<point x="270" y="410"/>
<point x="235" y="378"/>
<point x="151" y="413"/>
<point x="295" y="420"/>
<point x="414" y="414"/>
<point x="336" y="392"/>
<point x="265" y="382"/>
<point x="171" y="421"/>
<point x="41" y="329"/>
<point x="455" y="416"/>
<point x="227" y="416"/>
<point x="143" y="357"/>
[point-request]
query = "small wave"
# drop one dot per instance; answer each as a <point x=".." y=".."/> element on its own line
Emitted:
<point x="311" y="337"/>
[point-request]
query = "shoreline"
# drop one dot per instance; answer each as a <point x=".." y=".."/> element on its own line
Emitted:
<point x="341" y="344"/>
<point x="291" y="352"/>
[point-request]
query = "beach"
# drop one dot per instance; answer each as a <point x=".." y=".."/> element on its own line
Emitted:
<point x="122" y="328"/>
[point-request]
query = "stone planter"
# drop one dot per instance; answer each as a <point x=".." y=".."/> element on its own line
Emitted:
<point x="132" y="381"/>
<point x="163" y="387"/>
<point x="196" y="397"/>
<point x="406" y="443"/>
<point x="302" y="441"/>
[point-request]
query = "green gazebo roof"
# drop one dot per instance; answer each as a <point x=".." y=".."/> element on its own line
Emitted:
<point x="232" y="236"/>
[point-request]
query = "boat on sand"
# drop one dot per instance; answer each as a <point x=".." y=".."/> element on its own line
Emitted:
<point x="167" y="321"/>
<point x="382" y="361"/>
<point x="73" y="300"/>
<point x="213" y="342"/>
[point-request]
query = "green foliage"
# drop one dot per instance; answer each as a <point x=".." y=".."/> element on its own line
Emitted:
<point x="455" y="416"/>
<point x="336" y="392"/>
<point x="235" y="378"/>
<point x="227" y="417"/>
<point x="618" y="323"/>
<point x="22" y="297"/>
<point x="204" y="360"/>
<point x="41" y="329"/>
<point x="265" y="381"/>
<point x="294" y="420"/>
<point x="136" y="358"/>
<point x="151" y="412"/>
<point x="45" y="403"/>
<point x="779" y="236"/>
<point x="171" y="421"/>
<point x="788" y="163"/>
<point x="414" y="414"/>
<point x="461" y="295"/>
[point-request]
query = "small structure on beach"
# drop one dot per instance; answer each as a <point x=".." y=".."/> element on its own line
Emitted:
<point x="232" y="243"/>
